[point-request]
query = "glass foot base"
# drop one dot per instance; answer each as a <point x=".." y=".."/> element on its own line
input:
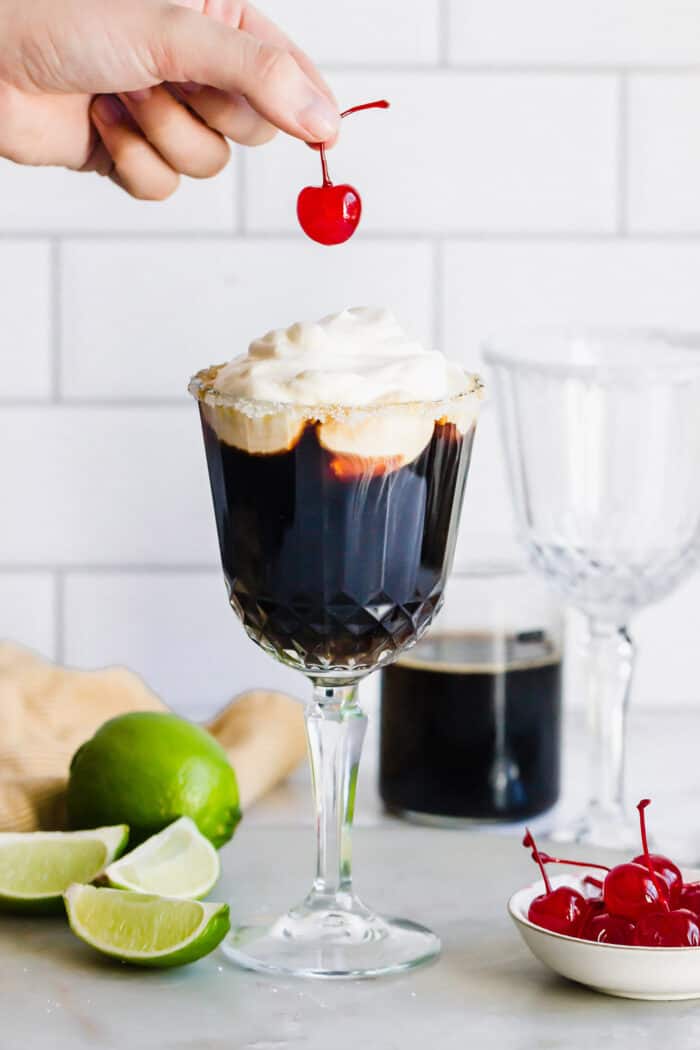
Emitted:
<point x="609" y="830"/>
<point x="346" y="941"/>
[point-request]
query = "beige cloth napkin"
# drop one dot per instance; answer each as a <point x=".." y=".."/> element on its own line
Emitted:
<point x="46" y="712"/>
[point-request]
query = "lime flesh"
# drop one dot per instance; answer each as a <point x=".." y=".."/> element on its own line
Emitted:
<point x="144" y="929"/>
<point x="178" y="862"/>
<point x="37" y="867"/>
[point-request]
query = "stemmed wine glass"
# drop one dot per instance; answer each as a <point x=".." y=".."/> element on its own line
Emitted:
<point x="602" y="436"/>
<point x="336" y="529"/>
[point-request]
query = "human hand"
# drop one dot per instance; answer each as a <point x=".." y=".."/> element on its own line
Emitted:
<point x="143" y="90"/>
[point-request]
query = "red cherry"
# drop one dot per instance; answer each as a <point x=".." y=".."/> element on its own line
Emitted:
<point x="690" y="897"/>
<point x="631" y="890"/>
<point x="604" y="928"/>
<point x="562" y="910"/>
<point x="330" y="214"/>
<point x="594" y="907"/>
<point x="670" y="929"/>
<point x="659" y="864"/>
<point x="635" y="889"/>
<point x="666" y="870"/>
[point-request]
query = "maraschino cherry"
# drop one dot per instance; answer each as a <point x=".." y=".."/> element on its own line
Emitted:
<point x="670" y="927"/>
<point x="659" y="864"/>
<point x="628" y="889"/>
<point x="604" y="928"/>
<point x="330" y="214"/>
<point x="598" y="924"/>
<point x="679" y="928"/>
<point x="690" y="897"/>
<point x="636" y="889"/>
<point x="638" y="905"/>
<point x="562" y="910"/>
<point x="631" y="890"/>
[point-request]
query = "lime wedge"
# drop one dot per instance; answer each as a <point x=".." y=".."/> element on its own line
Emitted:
<point x="177" y="862"/>
<point x="37" y="867"/>
<point x="144" y="929"/>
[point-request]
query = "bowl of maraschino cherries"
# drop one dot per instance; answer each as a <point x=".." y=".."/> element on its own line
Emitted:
<point x="631" y="930"/>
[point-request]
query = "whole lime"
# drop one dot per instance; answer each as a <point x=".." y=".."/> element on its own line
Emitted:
<point x="146" y="769"/>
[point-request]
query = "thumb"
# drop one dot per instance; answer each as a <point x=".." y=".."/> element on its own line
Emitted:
<point x="187" y="46"/>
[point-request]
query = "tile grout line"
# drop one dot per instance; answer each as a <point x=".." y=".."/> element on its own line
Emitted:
<point x="443" y="15"/>
<point x="622" y="188"/>
<point x="60" y="572"/>
<point x="438" y="292"/>
<point x="81" y="403"/>
<point x="55" y="318"/>
<point x="59" y="616"/>
<point x="379" y="236"/>
<point x="563" y="69"/>
<point x="241" y="191"/>
<point x="396" y="236"/>
<point x="495" y="68"/>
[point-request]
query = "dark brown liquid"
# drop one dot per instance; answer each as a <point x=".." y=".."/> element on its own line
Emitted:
<point x="333" y="562"/>
<point x="462" y="736"/>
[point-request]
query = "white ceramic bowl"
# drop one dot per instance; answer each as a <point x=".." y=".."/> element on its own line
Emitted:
<point x="615" y="969"/>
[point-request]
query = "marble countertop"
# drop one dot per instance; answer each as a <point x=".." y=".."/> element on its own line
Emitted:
<point x="485" y="991"/>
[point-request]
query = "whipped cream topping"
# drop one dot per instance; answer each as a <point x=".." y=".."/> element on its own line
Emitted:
<point x="373" y="391"/>
<point x="360" y="357"/>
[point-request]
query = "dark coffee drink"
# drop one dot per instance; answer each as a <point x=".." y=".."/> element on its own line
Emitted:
<point x="334" y="561"/>
<point x="470" y="727"/>
<point x="337" y="452"/>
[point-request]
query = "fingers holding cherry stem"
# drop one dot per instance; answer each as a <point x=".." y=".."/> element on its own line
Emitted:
<point x="330" y="214"/>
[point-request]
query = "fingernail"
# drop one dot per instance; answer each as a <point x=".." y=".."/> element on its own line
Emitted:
<point x="109" y="109"/>
<point x="190" y="88"/>
<point x="320" y="119"/>
<point x="139" y="96"/>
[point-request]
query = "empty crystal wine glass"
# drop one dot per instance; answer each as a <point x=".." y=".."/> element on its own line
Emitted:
<point x="602" y="436"/>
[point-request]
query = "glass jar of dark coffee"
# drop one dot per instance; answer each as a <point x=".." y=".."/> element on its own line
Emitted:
<point x="471" y="716"/>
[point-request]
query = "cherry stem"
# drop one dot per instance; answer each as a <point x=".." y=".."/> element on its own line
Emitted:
<point x="641" y="806"/>
<point x="546" y="859"/>
<point x="379" y="104"/>
<point x="324" y="166"/>
<point x="530" y="843"/>
<point x="590" y="881"/>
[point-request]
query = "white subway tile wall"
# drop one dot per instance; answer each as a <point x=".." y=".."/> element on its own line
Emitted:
<point x="664" y="154"/>
<point x="25" y="309"/>
<point x="231" y="290"/>
<point x="540" y="163"/>
<point x="42" y="200"/>
<point x="595" y="33"/>
<point x="460" y="153"/>
<point x="103" y="486"/>
<point x="175" y="628"/>
<point x="29" y="609"/>
<point x="364" y="32"/>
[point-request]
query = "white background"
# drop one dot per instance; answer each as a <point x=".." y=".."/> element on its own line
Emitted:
<point x="541" y="162"/>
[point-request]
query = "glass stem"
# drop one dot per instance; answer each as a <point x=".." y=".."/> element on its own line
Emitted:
<point x="610" y="658"/>
<point x="335" y="728"/>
